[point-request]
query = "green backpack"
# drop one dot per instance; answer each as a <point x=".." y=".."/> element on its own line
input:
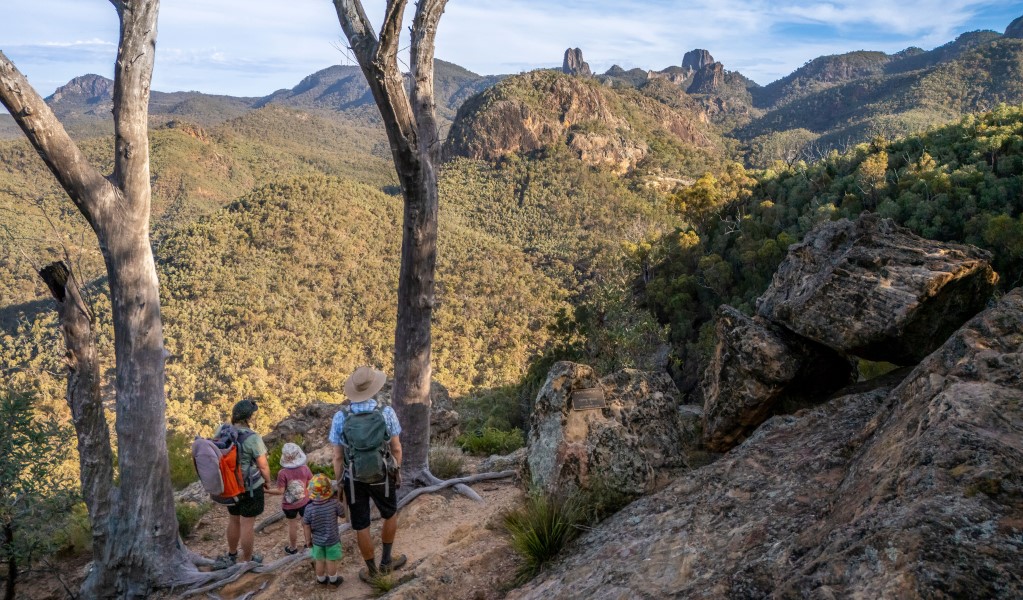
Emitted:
<point x="368" y="453"/>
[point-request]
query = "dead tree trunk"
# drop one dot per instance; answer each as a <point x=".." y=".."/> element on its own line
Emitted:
<point x="134" y="523"/>
<point x="411" y="126"/>
<point x="95" y="457"/>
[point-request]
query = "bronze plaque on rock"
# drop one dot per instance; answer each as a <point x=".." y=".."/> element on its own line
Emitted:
<point x="588" y="398"/>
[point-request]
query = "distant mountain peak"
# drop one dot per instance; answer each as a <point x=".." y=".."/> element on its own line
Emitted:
<point x="88" y="89"/>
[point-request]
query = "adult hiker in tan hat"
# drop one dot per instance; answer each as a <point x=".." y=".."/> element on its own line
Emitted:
<point x="367" y="460"/>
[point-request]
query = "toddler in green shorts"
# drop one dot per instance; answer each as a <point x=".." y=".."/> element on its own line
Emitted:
<point x="321" y="515"/>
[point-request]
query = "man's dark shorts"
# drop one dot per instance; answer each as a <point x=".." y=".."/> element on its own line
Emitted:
<point x="291" y="513"/>
<point x="249" y="505"/>
<point x="358" y="507"/>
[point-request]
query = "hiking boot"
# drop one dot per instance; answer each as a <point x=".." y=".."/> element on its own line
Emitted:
<point x="365" y="575"/>
<point x="224" y="561"/>
<point x="397" y="562"/>
<point x="257" y="558"/>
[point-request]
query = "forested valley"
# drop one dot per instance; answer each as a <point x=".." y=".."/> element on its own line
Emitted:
<point x="608" y="234"/>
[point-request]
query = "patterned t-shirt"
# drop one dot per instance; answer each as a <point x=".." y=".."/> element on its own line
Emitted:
<point x="294" y="481"/>
<point x="321" y="516"/>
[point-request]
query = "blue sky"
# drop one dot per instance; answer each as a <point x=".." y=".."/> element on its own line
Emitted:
<point x="253" y="47"/>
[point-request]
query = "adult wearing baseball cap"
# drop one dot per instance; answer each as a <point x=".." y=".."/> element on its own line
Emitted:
<point x="352" y="423"/>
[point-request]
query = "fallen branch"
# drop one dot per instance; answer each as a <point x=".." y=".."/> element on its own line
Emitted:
<point x="453" y="482"/>
<point x="435" y="485"/>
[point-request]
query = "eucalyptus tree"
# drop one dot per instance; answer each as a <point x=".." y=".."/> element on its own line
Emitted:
<point x="135" y="534"/>
<point x="409" y="116"/>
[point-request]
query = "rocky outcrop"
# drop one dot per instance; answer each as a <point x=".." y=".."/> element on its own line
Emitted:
<point x="875" y="290"/>
<point x="696" y="60"/>
<point x="637" y="435"/>
<point x="539" y="109"/>
<point x="708" y="80"/>
<point x="617" y="153"/>
<point x="87" y="93"/>
<point x="574" y="63"/>
<point x="907" y="490"/>
<point x="1015" y="29"/>
<point x="754" y="366"/>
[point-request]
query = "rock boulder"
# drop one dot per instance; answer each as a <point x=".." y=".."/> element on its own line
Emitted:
<point x="312" y="422"/>
<point x="875" y="290"/>
<point x="755" y="365"/>
<point x="1015" y="29"/>
<point x="911" y="489"/>
<point x="630" y="443"/>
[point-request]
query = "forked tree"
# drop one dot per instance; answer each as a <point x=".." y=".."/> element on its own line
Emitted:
<point x="134" y="527"/>
<point x="409" y="116"/>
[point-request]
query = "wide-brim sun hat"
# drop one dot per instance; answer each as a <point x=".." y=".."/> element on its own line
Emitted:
<point x="320" y="488"/>
<point x="364" y="383"/>
<point x="292" y="456"/>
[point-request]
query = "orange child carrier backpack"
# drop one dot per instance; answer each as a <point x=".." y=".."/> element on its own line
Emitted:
<point x="218" y="463"/>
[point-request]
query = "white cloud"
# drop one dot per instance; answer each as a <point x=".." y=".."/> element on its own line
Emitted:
<point x="252" y="47"/>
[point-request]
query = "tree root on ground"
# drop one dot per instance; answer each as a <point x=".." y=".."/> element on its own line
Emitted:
<point x="434" y="485"/>
<point x="438" y="485"/>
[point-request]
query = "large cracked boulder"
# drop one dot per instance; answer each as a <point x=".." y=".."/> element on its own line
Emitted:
<point x="754" y="367"/>
<point x="639" y="435"/>
<point x="875" y="290"/>
<point x="912" y="489"/>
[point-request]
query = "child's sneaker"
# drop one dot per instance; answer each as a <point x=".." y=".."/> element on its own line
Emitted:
<point x="290" y="550"/>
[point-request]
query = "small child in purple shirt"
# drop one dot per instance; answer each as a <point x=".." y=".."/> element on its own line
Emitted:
<point x="293" y="481"/>
<point x="321" y="515"/>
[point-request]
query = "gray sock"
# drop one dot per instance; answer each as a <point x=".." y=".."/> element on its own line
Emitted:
<point x="321" y="578"/>
<point x="372" y="566"/>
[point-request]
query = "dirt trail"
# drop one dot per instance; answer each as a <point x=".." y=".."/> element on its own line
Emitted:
<point x="455" y="547"/>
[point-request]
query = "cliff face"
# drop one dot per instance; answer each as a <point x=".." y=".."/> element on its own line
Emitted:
<point x="900" y="488"/>
<point x="603" y="126"/>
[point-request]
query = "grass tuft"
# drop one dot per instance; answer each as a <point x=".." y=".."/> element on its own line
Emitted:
<point x="446" y="462"/>
<point x="540" y="529"/>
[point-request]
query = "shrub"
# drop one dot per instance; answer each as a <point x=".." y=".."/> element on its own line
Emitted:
<point x="189" y="515"/>
<point x="179" y="455"/>
<point x="75" y="537"/>
<point x="446" y="462"/>
<point x="327" y="470"/>
<point x="540" y="529"/>
<point x="273" y="455"/>
<point x="489" y="441"/>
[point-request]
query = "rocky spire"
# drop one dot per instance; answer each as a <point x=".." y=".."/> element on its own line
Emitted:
<point x="574" y="63"/>
<point x="694" y="60"/>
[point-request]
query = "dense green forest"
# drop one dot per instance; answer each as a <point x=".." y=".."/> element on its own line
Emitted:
<point x="960" y="182"/>
<point x="609" y="238"/>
